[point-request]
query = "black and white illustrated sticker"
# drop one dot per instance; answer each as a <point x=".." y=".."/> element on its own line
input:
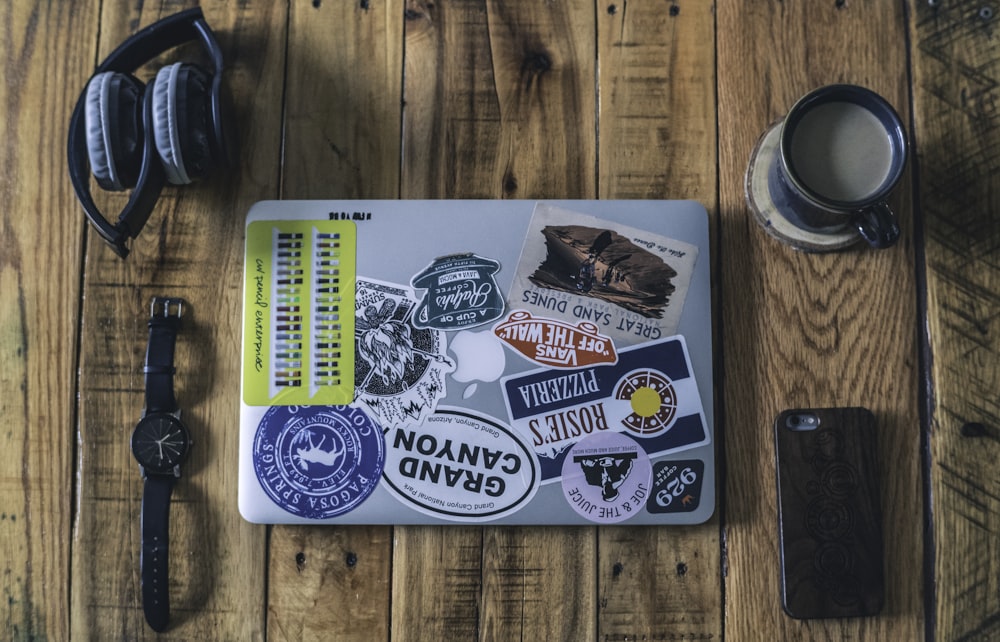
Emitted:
<point x="399" y="371"/>
<point x="460" y="466"/>
<point x="659" y="404"/>
<point x="606" y="477"/>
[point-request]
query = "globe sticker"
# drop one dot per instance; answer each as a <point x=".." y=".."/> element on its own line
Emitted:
<point x="606" y="477"/>
<point x="318" y="462"/>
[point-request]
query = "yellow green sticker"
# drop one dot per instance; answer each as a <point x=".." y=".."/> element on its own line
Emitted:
<point x="299" y="313"/>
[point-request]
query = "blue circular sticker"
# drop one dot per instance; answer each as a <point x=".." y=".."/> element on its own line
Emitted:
<point x="318" y="461"/>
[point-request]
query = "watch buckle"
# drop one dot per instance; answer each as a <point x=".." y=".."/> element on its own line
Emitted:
<point x="163" y="306"/>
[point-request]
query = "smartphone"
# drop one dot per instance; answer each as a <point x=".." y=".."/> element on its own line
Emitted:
<point x="829" y="516"/>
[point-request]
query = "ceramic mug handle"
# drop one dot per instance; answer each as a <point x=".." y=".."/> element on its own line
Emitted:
<point x="877" y="225"/>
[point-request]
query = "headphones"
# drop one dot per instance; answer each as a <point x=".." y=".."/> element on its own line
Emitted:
<point x="136" y="137"/>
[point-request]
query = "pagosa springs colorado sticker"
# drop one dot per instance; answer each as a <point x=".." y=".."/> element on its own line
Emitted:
<point x="318" y="462"/>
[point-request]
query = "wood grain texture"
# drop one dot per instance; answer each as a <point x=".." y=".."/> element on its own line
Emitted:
<point x="657" y="140"/>
<point x="499" y="100"/>
<point x="192" y="248"/>
<point x="44" y="49"/>
<point x="811" y="330"/>
<point x="342" y="140"/>
<point x="490" y="99"/>
<point x="956" y="68"/>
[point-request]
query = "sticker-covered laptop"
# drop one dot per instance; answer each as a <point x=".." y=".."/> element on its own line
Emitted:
<point x="502" y="362"/>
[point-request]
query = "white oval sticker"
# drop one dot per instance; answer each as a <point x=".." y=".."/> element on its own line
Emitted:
<point x="459" y="466"/>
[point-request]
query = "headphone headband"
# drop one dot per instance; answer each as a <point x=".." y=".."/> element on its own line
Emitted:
<point x="138" y="50"/>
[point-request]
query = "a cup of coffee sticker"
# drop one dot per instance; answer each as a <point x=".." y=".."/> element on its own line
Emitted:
<point x="822" y="175"/>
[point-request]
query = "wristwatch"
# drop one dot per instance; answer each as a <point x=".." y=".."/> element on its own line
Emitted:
<point x="160" y="443"/>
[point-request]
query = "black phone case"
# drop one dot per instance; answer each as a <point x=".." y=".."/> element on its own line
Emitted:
<point x="829" y="517"/>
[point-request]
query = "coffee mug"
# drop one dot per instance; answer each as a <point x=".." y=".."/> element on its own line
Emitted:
<point x="841" y="151"/>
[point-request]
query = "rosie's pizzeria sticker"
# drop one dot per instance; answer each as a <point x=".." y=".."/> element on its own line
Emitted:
<point x="606" y="477"/>
<point x="650" y="394"/>
<point x="318" y="461"/>
<point x="460" y="466"/>
<point x="555" y="343"/>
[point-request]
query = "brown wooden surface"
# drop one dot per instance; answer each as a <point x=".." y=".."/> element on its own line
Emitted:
<point x="514" y="99"/>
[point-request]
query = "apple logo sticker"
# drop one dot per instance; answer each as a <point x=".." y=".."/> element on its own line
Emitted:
<point x="479" y="357"/>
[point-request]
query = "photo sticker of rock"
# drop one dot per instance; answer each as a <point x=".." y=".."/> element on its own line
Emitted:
<point x="629" y="282"/>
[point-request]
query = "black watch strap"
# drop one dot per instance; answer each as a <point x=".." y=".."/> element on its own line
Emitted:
<point x="153" y="561"/>
<point x="164" y="321"/>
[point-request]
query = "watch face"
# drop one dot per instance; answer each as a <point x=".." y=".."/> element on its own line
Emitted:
<point x="160" y="442"/>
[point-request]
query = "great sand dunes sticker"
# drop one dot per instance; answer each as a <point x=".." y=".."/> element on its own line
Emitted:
<point x="460" y="466"/>
<point x="631" y="283"/>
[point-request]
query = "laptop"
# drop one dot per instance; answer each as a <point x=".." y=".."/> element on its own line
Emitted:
<point x="477" y="362"/>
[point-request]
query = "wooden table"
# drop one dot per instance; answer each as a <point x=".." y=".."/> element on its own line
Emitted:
<point x="516" y="99"/>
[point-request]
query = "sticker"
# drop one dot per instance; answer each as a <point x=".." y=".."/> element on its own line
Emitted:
<point x="650" y="394"/>
<point x="318" y="461"/>
<point x="555" y="343"/>
<point x="676" y="486"/>
<point x="461" y="293"/>
<point x="479" y="356"/>
<point x="631" y="283"/>
<point x="460" y="466"/>
<point x="399" y="371"/>
<point x="606" y="477"/>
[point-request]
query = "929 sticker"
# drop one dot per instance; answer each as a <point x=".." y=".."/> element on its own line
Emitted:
<point x="676" y="486"/>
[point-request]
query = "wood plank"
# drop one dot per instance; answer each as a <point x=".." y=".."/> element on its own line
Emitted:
<point x="956" y="70"/>
<point x="812" y="330"/>
<point x="499" y="104"/>
<point x="342" y="127"/>
<point x="658" y="140"/>
<point x="46" y="49"/>
<point x="192" y="247"/>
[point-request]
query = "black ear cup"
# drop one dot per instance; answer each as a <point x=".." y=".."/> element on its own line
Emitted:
<point x="129" y="136"/>
<point x="182" y="127"/>
<point x="113" y="115"/>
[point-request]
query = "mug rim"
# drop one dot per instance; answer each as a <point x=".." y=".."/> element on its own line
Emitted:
<point x="865" y="98"/>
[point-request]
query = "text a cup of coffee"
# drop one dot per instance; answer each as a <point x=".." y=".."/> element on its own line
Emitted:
<point x="842" y="150"/>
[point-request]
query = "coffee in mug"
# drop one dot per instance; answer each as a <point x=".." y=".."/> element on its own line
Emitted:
<point x="842" y="150"/>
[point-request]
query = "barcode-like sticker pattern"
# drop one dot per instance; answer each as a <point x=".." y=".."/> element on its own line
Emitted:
<point x="299" y="321"/>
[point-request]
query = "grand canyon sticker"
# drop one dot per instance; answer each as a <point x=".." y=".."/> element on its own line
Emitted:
<point x="460" y="466"/>
<point x="318" y="462"/>
<point x="555" y="343"/>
